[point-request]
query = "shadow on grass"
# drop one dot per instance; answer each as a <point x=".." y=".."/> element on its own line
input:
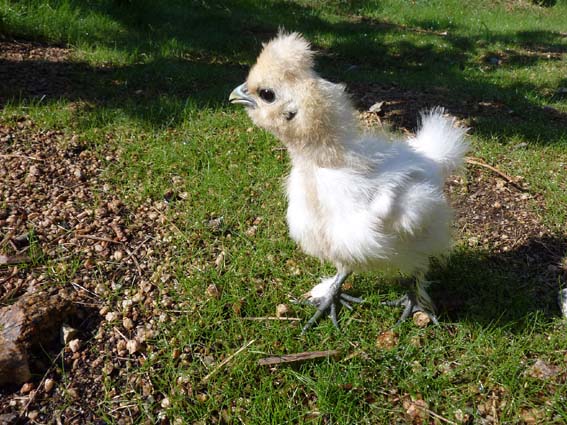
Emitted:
<point x="196" y="50"/>
<point x="503" y="288"/>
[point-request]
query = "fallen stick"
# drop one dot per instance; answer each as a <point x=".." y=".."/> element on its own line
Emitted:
<point x="510" y="180"/>
<point x="291" y="319"/>
<point x="225" y="361"/>
<point x="13" y="155"/>
<point x="6" y="260"/>
<point x="298" y="357"/>
<point x="435" y="415"/>
<point x="97" y="238"/>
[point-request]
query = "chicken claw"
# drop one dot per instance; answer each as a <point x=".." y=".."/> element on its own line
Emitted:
<point x="415" y="300"/>
<point x="326" y="296"/>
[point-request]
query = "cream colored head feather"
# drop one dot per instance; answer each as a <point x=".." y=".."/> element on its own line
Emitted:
<point x="284" y="95"/>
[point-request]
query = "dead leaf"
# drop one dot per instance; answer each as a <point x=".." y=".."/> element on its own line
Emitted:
<point x="213" y="291"/>
<point x="421" y="319"/>
<point x="532" y="416"/>
<point x="387" y="340"/>
<point x="417" y="411"/>
<point x="543" y="370"/>
<point x="282" y="310"/>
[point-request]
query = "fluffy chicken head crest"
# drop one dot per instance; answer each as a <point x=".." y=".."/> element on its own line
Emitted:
<point x="287" y="55"/>
<point x="284" y="95"/>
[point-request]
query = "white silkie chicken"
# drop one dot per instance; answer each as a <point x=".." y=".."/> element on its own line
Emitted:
<point x="355" y="199"/>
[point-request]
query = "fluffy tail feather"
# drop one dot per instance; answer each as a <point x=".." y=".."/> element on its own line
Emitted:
<point x="441" y="140"/>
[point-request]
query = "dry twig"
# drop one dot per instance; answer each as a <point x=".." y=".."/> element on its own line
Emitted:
<point x="298" y="357"/>
<point x="12" y="155"/>
<point x="291" y="319"/>
<point x="509" y="179"/>
<point x="97" y="238"/>
<point x="7" y="260"/>
<point x="228" y="359"/>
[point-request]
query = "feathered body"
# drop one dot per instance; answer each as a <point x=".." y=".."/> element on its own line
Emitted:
<point x="358" y="200"/>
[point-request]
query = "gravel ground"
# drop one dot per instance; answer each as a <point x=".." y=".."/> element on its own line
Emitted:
<point x="70" y="231"/>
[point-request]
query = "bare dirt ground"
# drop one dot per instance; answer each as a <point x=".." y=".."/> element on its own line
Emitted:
<point x="64" y="229"/>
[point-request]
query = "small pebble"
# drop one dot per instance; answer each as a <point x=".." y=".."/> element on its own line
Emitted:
<point x="165" y="403"/>
<point x="282" y="310"/>
<point x="133" y="346"/>
<point x="111" y="316"/>
<point x="127" y="323"/>
<point x="26" y="388"/>
<point x="68" y="333"/>
<point x="48" y="385"/>
<point x="75" y="345"/>
<point x="213" y="291"/>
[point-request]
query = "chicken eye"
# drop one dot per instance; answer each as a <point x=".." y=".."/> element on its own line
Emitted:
<point x="267" y="95"/>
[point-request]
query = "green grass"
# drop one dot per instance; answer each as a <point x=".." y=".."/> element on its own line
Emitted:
<point x="156" y="75"/>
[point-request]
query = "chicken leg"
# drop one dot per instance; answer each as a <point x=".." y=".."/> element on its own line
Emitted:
<point x="416" y="299"/>
<point x="325" y="297"/>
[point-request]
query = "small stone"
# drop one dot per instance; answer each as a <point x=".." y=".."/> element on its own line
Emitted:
<point x="219" y="261"/>
<point x="26" y="388"/>
<point x="33" y="414"/>
<point x="48" y="385"/>
<point x="543" y="370"/>
<point x="68" y="333"/>
<point x="282" y="310"/>
<point x="251" y="232"/>
<point x="79" y="174"/>
<point x="75" y="345"/>
<point x="133" y="346"/>
<point x="118" y="255"/>
<point x="73" y="393"/>
<point x="127" y="323"/>
<point x="213" y="291"/>
<point x="111" y="316"/>
<point x="215" y="224"/>
<point x="421" y="319"/>
<point x="165" y="403"/>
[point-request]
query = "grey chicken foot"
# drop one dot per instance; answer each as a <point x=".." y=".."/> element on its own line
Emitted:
<point x="417" y="299"/>
<point x="326" y="296"/>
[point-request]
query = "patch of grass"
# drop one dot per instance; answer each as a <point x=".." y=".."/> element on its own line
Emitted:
<point x="155" y="77"/>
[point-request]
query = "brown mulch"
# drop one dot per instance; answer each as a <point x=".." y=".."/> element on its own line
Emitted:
<point x="80" y="237"/>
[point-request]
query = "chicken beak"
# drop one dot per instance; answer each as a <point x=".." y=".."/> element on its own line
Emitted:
<point x="240" y="95"/>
